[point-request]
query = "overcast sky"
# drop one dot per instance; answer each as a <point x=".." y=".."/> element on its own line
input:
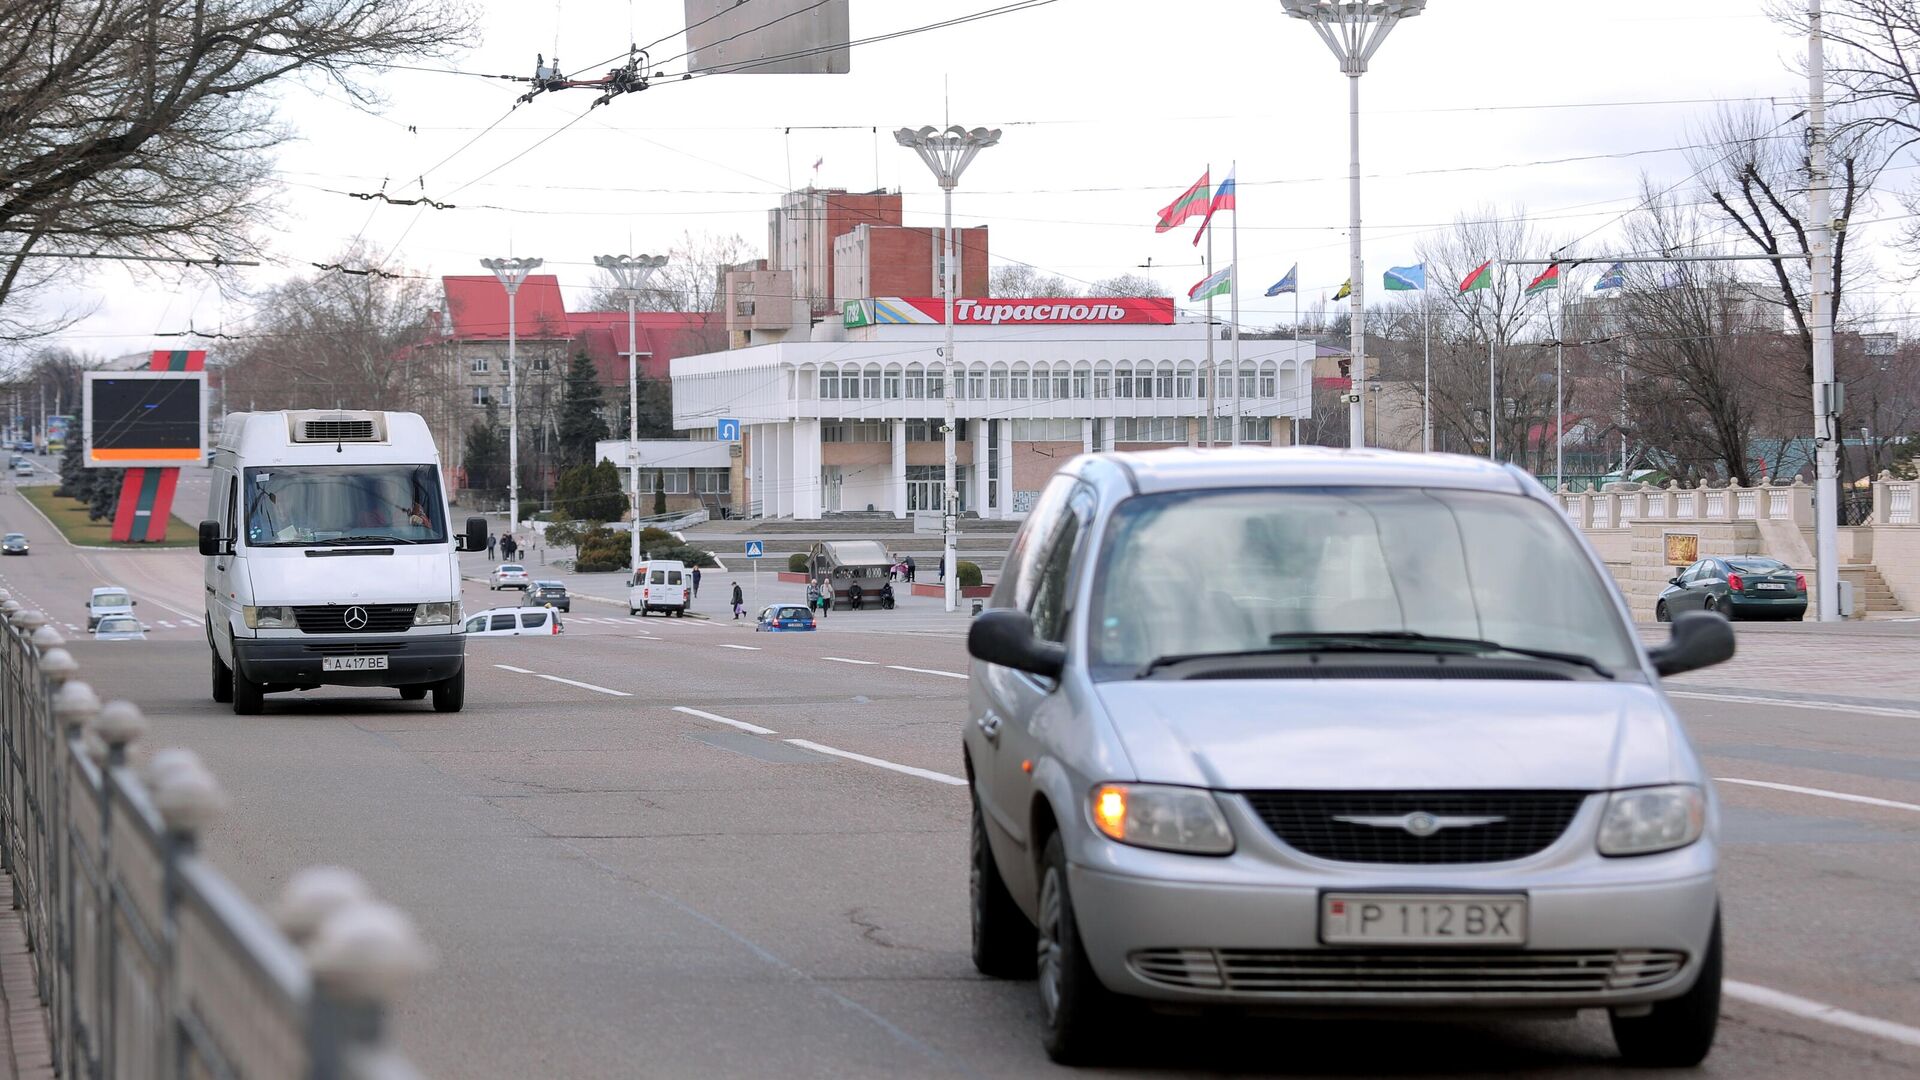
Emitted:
<point x="1109" y="109"/>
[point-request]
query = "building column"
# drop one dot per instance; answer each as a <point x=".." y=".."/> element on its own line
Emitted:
<point x="1086" y="436"/>
<point x="773" y="487"/>
<point x="899" y="473"/>
<point x="1005" y="495"/>
<point x="806" y="469"/>
<point x="1193" y="425"/>
<point x="977" y="491"/>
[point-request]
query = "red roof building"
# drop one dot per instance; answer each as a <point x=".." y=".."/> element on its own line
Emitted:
<point x="477" y="308"/>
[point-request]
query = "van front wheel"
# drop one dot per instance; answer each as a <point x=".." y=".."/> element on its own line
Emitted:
<point x="222" y="681"/>
<point x="248" y="696"/>
<point x="450" y="695"/>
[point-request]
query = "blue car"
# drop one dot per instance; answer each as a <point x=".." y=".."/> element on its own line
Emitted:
<point x="777" y="617"/>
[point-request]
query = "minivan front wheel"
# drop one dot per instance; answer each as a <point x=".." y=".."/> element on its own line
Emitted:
<point x="1076" y="1009"/>
<point x="222" y="681"/>
<point x="1678" y="1032"/>
<point x="451" y="694"/>
<point x="248" y="696"/>
<point x="1003" y="939"/>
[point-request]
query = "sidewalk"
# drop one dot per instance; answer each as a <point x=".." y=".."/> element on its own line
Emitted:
<point x="26" y="1049"/>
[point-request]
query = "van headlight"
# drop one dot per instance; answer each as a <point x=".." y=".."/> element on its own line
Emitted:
<point x="1167" y="818"/>
<point x="1641" y="821"/>
<point x="268" y="618"/>
<point x="436" y="614"/>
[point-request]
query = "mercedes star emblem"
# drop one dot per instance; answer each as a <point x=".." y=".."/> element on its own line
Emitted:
<point x="355" y="618"/>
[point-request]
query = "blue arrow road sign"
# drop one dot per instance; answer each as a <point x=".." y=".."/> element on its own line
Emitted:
<point x="728" y="430"/>
<point x="756" y="549"/>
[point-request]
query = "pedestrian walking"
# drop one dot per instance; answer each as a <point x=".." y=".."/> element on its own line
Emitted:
<point x="739" y="602"/>
<point x="696" y="582"/>
<point x="910" y="569"/>
<point x="491" y="541"/>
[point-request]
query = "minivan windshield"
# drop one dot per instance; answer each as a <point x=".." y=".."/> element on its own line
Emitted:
<point x="110" y="599"/>
<point x="1251" y="571"/>
<point x="325" y="505"/>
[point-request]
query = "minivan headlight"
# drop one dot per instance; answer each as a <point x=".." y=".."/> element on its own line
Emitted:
<point x="1641" y="821"/>
<point x="436" y="614"/>
<point x="1167" y="818"/>
<point x="268" y="618"/>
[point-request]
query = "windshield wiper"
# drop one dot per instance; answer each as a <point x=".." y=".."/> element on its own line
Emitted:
<point x="363" y="539"/>
<point x="1403" y="641"/>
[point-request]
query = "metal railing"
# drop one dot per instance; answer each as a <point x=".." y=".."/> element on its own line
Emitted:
<point x="149" y="962"/>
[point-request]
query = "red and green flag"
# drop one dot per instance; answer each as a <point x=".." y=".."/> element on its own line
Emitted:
<point x="1192" y="203"/>
<point x="1479" y="279"/>
<point x="1548" y="279"/>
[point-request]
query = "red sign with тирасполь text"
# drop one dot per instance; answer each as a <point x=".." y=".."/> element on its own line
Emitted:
<point x="1014" y="311"/>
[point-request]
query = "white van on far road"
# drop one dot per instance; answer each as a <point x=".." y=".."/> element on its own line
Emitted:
<point x="330" y="560"/>
<point x="658" y="585"/>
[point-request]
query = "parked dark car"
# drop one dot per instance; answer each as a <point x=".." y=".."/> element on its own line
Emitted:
<point x="1737" y="586"/>
<point x="542" y="593"/>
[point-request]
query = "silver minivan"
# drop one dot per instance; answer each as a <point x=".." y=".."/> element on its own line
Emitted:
<point x="1317" y="731"/>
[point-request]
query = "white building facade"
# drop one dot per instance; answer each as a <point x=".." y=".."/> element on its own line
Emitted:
<point x="856" y="424"/>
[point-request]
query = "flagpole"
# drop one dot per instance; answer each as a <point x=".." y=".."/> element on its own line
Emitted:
<point x="1295" y="439"/>
<point x="1213" y="374"/>
<point x="1426" y="351"/>
<point x="1233" y="305"/>
<point x="1559" y="398"/>
<point x="1493" y="414"/>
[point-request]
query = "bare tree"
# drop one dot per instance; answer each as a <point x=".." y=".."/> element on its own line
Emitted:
<point x="1127" y="285"/>
<point x="146" y="126"/>
<point x="1019" y="279"/>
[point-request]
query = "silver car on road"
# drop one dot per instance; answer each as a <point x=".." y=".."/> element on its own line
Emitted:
<point x="1312" y="731"/>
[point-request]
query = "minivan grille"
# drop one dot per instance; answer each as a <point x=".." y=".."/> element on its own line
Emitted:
<point x="357" y="648"/>
<point x="1407" y="974"/>
<point x="332" y="618"/>
<point x="339" y="430"/>
<point x="1306" y="821"/>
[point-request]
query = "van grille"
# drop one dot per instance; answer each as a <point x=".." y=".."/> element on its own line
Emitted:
<point x="332" y="618"/>
<point x="1407" y="974"/>
<point x="1528" y="822"/>
<point x="357" y="648"/>
<point x="339" y="430"/>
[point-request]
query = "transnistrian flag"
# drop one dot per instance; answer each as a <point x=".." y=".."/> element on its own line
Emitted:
<point x="1548" y="279"/>
<point x="1345" y="290"/>
<point x="1222" y="200"/>
<point x="1191" y="203"/>
<point x="1479" y="279"/>
<point x="1288" y="284"/>
<point x="1406" y="278"/>
<point x="1614" y="278"/>
<point x="1219" y="283"/>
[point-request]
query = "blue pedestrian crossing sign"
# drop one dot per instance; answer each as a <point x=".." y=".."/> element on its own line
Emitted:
<point x="728" y="430"/>
<point x="756" y="549"/>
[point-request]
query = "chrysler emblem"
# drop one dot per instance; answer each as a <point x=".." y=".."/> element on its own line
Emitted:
<point x="1419" y="823"/>
<point x="355" y="618"/>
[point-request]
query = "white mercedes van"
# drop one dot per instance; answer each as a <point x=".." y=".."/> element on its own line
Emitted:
<point x="330" y="560"/>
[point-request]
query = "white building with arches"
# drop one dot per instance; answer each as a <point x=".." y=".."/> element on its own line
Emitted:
<point x="856" y="424"/>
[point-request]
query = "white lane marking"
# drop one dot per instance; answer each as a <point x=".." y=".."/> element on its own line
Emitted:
<point x="515" y="670"/>
<point x="581" y="685"/>
<point x="930" y="671"/>
<point x="192" y="622"/>
<point x="844" y="660"/>
<point x="1843" y="796"/>
<point x="71" y="627"/>
<point x="743" y="648"/>
<point x="1824" y="706"/>
<point x="164" y="623"/>
<point x="924" y="774"/>
<point x="1768" y="998"/>
<point x="729" y="721"/>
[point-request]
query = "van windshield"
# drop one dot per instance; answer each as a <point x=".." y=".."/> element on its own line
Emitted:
<point x="325" y="505"/>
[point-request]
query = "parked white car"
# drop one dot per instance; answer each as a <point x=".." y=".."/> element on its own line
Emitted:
<point x="514" y="622"/>
<point x="509" y="576"/>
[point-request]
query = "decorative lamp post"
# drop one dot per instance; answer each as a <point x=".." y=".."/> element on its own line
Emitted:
<point x="948" y="153"/>
<point x="630" y="274"/>
<point x="1354" y="30"/>
<point x="511" y="273"/>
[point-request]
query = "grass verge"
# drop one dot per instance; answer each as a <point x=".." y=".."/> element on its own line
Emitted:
<point x="70" y="517"/>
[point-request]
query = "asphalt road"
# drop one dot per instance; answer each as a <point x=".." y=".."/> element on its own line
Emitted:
<point x="672" y="848"/>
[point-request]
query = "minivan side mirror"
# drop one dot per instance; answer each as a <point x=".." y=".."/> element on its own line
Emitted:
<point x="211" y="542"/>
<point x="1700" y="639"/>
<point x="475" y="538"/>
<point x="1005" y="636"/>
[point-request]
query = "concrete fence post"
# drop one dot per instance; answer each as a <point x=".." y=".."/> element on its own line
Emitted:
<point x="188" y="799"/>
<point x="361" y="952"/>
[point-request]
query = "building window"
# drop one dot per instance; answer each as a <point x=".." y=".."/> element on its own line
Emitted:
<point x="1183" y="383"/>
<point x="1256" y="429"/>
<point x="1079" y="384"/>
<point x="1045" y="430"/>
<point x="1102" y="383"/>
<point x="1062" y="384"/>
<point x="1149" y="429"/>
<point x="1042" y="384"/>
<point x="892" y="383"/>
<point x="998" y="383"/>
<point x="1123" y="381"/>
<point x="865" y="431"/>
<point x="916" y="382"/>
<point x="1163" y="382"/>
<point x="870" y="384"/>
<point x="646" y="481"/>
<point x="1019" y="384"/>
<point x="542" y="363"/>
<point x="478" y="365"/>
<point x="712" y="481"/>
<point x="976" y="384"/>
<point x="480" y="396"/>
<point x="1143" y="381"/>
<point x="849" y="384"/>
<point x="936" y="383"/>
<point x="1246" y="381"/>
<point x="674" y="481"/>
<point x="1269" y="384"/>
<point x="829" y="385"/>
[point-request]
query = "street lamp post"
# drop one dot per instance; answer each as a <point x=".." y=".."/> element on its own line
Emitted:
<point x="511" y="273"/>
<point x="630" y="274"/>
<point x="1354" y="30"/>
<point x="948" y="153"/>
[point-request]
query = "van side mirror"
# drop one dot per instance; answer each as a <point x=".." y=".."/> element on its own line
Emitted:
<point x="475" y="538"/>
<point x="1699" y="639"/>
<point x="1005" y="636"/>
<point x="211" y="542"/>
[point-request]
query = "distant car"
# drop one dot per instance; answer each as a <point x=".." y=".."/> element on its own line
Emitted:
<point x="107" y="600"/>
<point x="24" y="468"/>
<point x="1737" y="586"/>
<point x="543" y="593"/>
<point x="14" y="544"/>
<point x="509" y="576"/>
<point x="120" y="628"/>
<point x="784" y="617"/>
<point x="514" y="622"/>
